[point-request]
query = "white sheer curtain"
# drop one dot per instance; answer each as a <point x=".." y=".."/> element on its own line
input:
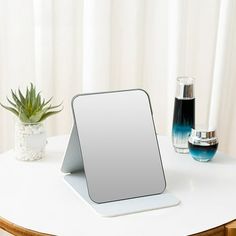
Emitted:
<point x="70" y="46"/>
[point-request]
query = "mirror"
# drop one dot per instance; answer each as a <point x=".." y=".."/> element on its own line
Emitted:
<point x="118" y="145"/>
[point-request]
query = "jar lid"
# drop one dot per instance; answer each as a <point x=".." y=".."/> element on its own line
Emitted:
<point x="203" y="134"/>
<point x="203" y="137"/>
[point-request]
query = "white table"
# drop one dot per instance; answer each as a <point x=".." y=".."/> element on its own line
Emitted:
<point x="34" y="195"/>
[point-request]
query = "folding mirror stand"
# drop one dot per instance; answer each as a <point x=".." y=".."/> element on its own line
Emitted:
<point x="114" y="141"/>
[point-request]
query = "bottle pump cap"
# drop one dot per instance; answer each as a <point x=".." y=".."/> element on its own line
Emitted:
<point x="185" y="87"/>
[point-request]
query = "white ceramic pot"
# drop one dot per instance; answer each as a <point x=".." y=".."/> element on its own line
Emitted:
<point x="30" y="141"/>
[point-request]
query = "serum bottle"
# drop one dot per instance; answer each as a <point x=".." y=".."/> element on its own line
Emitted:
<point x="184" y="114"/>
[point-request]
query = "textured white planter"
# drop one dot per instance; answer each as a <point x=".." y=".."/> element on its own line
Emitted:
<point x="30" y="141"/>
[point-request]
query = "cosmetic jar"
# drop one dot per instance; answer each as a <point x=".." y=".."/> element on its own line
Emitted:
<point x="202" y="144"/>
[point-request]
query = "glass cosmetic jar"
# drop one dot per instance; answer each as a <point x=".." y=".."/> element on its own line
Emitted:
<point x="202" y="144"/>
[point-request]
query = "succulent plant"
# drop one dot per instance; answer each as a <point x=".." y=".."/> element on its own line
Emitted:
<point x="31" y="107"/>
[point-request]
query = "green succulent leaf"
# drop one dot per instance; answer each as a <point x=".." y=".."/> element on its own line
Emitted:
<point x="16" y="99"/>
<point x="31" y="107"/>
<point x="54" y="107"/>
<point x="13" y="104"/>
<point x="47" y="102"/>
<point x="11" y="109"/>
<point x="23" y="117"/>
<point x="46" y="115"/>
<point x="22" y="99"/>
<point x="36" y="118"/>
<point x="27" y="95"/>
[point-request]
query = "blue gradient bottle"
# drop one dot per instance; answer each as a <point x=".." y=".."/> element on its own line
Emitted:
<point x="184" y="114"/>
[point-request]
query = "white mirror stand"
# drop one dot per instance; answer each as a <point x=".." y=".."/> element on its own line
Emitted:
<point x="143" y="197"/>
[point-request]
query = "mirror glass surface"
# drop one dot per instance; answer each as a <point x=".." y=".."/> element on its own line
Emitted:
<point x="118" y="145"/>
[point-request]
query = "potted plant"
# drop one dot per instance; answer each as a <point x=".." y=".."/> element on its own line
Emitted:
<point x="31" y="110"/>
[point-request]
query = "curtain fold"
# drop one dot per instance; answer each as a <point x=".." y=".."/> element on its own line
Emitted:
<point x="221" y="59"/>
<point x="71" y="46"/>
<point x="97" y="45"/>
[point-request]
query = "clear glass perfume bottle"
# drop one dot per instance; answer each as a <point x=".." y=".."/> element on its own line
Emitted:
<point x="184" y="114"/>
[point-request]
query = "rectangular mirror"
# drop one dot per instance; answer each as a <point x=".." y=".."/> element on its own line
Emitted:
<point x="118" y="145"/>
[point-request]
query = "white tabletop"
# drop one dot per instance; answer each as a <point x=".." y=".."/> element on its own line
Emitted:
<point x="34" y="195"/>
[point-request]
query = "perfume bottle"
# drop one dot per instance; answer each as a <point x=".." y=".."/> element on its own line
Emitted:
<point x="203" y="144"/>
<point x="184" y="114"/>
